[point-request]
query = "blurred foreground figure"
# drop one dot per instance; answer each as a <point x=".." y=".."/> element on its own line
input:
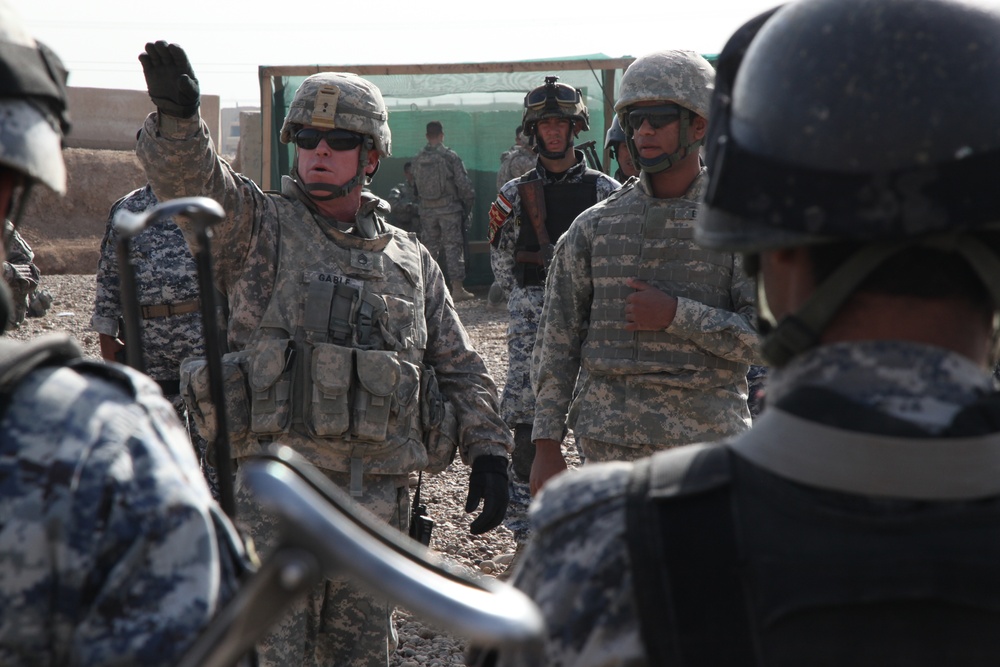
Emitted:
<point x="111" y="548"/>
<point x="851" y="160"/>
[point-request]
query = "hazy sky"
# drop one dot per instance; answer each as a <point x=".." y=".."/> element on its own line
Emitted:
<point x="99" y="40"/>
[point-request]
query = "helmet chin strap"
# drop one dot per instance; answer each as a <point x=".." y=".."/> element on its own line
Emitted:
<point x="328" y="191"/>
<point x="553" y="155"/>
<point x="664" y="162"/>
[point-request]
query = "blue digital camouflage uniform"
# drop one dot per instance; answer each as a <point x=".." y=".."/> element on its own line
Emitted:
<point x="446" y="197"/>
<point x="166" y="277"/>
<point x="179" y="157"/>
<point x="524" y="306"/>
<point x="111" y="548"/>
<point x="576" y="567"/>
<point x="642" y="391"/>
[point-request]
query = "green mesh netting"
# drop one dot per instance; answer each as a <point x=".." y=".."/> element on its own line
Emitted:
<point x="479" y="112"/>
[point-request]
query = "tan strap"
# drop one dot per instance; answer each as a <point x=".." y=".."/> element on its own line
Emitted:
<point x="169" y="309"/>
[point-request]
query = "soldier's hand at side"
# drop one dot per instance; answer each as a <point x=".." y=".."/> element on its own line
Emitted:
<point x="647" y="308"/>
<point x="170" y="80"/>
<point x="548" y="463"/>
<point x="488" y="482"/>
<point x="110" y="347"/>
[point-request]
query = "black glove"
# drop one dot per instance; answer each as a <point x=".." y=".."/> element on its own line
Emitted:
<point x="170" y="80"/>
<point x="488" y="482"/>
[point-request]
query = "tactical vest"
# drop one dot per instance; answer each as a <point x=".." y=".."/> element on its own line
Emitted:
<point x="652" y="240"/>
<point x="334" y="368"/>
<point x="563" y="202"/>
<point x="733" y="565"/>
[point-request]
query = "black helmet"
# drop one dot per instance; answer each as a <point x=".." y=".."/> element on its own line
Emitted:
<point x="554" y="100"/>
<point x="865" y="121"/>
<point x="615" y="134"/>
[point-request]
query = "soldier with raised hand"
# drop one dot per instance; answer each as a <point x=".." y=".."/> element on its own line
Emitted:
<point x="112" y="550"/>
<point x="554" y="115"/>
<point x="856" y="523"/>
<point x="344" y="338"/>
<point x="446" y="198"/>
<point x="661" y="331"/>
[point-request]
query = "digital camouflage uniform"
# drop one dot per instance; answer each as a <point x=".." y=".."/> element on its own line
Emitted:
<point x="166" y="279"/>
<point x="446" y="198"/>
<point x="21" y="274"/>
<point x="405" y="213"/>
<point x="515" y="161"/>
<point x="524" y="306"/>
<point x="112" y="549"/>
<point x="270" y="339"/>
<point x="642" y="391"/>
<point x="577" y="567"/>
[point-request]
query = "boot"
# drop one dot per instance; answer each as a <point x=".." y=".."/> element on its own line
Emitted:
<point x="459" y="293"/>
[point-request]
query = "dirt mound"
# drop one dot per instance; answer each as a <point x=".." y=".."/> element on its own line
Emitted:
<point x="65" y="232"/>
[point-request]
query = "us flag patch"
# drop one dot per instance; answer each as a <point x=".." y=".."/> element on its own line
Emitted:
<point x="498" y="215"/>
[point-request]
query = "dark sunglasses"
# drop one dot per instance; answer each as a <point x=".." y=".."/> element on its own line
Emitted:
<point x="559" y="92"/>
<point x="338" y="140"/>
<point x="657" y="117"/>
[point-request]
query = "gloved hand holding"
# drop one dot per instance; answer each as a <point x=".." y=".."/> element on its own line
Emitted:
<point x="170" y="80"/>
<point x="488" y="482"/>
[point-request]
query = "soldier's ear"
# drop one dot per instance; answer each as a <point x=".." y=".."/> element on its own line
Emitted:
<point x="373" y="159"/>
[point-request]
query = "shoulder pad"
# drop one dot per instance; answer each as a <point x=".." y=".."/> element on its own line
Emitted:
<point x="622" y="191"/>
<point x="579" y="491"/>
<point x="128" y="379"/>
<point x="591" y="176"/>
<point x="684" y="471"/>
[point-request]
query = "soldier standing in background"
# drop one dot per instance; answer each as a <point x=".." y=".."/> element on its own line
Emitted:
<point x="344" y="331"/>
<point x="517" y="159"/>
<point x="168" y="295"/>
<point x="113" y="551"/>
<point x="661" y="331"/>
<point x="614" y="141"/>
<point x="403" y="200"/>
<point x="22" y="277"/>
<point x="446" y="197"/>
<point x="554" y="115"/>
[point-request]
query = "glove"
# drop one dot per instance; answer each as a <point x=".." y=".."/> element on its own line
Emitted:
<point x="488" y="482"/>
<point x="170" y="80"/>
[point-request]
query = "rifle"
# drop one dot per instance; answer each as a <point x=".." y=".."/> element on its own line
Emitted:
<point x="532" y="194"/>
<point x="589" y="149"/>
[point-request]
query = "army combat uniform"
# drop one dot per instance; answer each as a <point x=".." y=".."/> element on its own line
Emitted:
<point x="647" y="390"/>
<point x="20" y="273"/>
<point x="526" y="287"/>
<point x="446" y="197"/>
<point x="514" y="162"/>
<point x="320" y="312"/>
<point x="405" y="214"/>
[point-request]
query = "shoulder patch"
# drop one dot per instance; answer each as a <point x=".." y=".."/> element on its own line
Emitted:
<point x="499" y="212"/>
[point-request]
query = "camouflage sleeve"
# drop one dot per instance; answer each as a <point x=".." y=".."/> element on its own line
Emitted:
<point x="107" y="298"/>
<point x="144" y="560"/>
<point x="555" y="361"/>
<point x="463" y="184"/>
<point x="503" y="236"/>
<point x="605" y="186"/>
<point x="461" y="372"/>
<point x="576" y="569"/>
<point x="180" y="161"/>
<point x="724" y="333"/>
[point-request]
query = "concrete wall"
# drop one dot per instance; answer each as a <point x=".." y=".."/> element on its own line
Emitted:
<point x="104" y="118"/>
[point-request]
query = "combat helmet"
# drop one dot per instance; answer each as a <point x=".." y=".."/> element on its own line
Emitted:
<point x="676" y="77"/>
<point x="33" y="109"/>
<point x="339" y="100"/>
<point x="860" y="122"/>
<point x="554" y="100"/>
<point x="615" y="135"/>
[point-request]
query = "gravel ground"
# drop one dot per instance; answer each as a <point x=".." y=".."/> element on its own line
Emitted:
<point x="485" y="555"/>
